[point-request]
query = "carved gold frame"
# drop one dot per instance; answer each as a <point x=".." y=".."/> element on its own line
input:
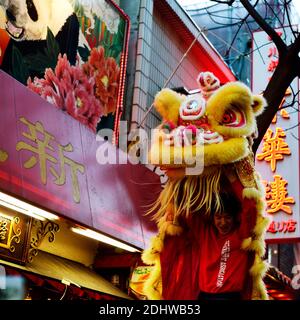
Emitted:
<point x="14" y="233"/>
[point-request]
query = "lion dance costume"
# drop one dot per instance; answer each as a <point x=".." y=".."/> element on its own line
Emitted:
<point x="225" y="116"/>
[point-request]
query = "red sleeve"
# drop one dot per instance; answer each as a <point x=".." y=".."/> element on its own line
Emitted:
<point x="248" y="218"/>
<point x="238" y="189"/>
<point x="248" y="213"/>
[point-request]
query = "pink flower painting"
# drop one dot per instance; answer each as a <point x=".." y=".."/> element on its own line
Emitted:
<point x="71" y="89"/>
<point x="106" y="73"/>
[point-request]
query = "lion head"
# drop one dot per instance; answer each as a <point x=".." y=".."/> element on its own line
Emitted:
<point x="219" y="119"/>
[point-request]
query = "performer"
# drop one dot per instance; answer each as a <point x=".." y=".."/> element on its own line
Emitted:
<point x="217" y="125"/>
<point x="223" y="265"/>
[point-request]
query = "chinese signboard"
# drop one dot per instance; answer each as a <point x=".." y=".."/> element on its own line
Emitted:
<point x="277" y="158"/>
<point x="15" y="231"/>
<point x="49" y="159"/>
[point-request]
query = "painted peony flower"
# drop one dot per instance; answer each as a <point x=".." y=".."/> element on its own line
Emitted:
<point x="106" y="73"/>
<point x="70" y="89"/>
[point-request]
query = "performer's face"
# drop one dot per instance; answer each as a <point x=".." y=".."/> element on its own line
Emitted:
<point x="223" y="222"/>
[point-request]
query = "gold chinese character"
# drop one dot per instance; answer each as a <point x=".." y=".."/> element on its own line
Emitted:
<point x="3" y="155"/>
<point x="284" y="114"/>
<point x="74" y="166"/>
<point x="276" y="196"/>
<point x="274" y="147"/>
<point x="41" y="147"/>
<point x="274" y="120"/>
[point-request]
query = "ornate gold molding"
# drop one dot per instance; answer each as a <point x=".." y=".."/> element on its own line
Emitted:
<point x="16" y="234"/>
<point x="10" y="232"/>
<point x="43" y="229"/>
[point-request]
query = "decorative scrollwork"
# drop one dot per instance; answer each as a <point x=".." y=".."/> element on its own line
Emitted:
<point x="43" y="229"/>
<point x="16" y="238"/>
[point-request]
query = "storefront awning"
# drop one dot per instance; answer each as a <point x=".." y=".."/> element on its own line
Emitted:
<point x="58" y="268"/>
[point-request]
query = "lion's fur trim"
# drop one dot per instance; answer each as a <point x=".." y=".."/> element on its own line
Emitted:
<point x="257" y="244"/>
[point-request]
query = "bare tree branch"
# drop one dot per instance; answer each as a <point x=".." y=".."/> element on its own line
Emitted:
<point x="295" y="47"/>
<point x="292" y="103"/>
<point x="234" y="37"/>
<point x="242" y="22"/>
<point x="229" y="2"/>
<point x="288" y="17"/>
<point x="292" y="127"/>
<point x="255" y="42"/>
<point x="276" y="15"/>
<point x="282" y="48"/>
<point x="211" y="17"/>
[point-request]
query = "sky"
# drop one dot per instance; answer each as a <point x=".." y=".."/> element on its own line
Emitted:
<point x="188" y="2"/>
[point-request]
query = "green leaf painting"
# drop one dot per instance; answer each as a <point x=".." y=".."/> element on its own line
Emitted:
<point x="102" y="26"/>
<point x="19" y="69"/>
<point x="98" y="33"/>
<point x="52" y="50"/>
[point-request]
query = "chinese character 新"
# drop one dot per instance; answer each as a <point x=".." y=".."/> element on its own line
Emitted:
<point x="42" y="153"/>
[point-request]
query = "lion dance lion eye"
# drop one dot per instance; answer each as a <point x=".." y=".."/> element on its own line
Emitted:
<point x="233" y="118"/>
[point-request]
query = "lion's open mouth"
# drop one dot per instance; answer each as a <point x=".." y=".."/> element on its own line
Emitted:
<point x="14" y="31"/>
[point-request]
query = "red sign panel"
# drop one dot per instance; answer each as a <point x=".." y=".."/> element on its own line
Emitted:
<point x="49" y="159"/>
